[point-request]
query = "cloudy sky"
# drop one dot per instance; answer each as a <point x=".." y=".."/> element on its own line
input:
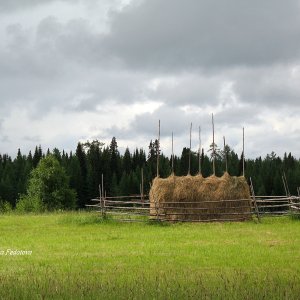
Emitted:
<point x="74" y="70"/>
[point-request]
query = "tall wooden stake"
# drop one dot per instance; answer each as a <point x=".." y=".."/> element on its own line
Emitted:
<point x="213" y="127"/>
<point x="286" y="192"/>
<point x="102" y="185"/>
<point x="225" y="154"/>
<point x="254" y="200"/>
<point x="103" y="197"/>
<point x="142" y="185"/>
<point x="199" y="151"/>
<point x="287" y="185"/>
<point x="100" y="199"/>
<point x="172" y="154"/>
<point x="158" y="146"/>
<point x="243" y="152"/>
<point x="189" y="172"/>
<point x="142" y="171"/>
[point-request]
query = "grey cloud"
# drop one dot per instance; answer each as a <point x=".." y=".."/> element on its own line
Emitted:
<point x="188" y="88"/>
<point x="239" y="116"/>
<point x="4" y="139"/>
<point x="16" y="5"/>
<point x="174" y="119"/>
<point x="174" y="34"/>
<point x="34" y="138"/>
<point x="178" y="53"/>
<point x="1" y="129"/>
<point x="271" y="140"/>
<point x="271" y="87"/>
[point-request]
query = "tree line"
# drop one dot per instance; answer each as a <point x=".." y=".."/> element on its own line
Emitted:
<point x="80" y="172"/>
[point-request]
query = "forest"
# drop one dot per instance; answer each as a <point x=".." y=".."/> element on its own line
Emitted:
<point x="122" y="172"/>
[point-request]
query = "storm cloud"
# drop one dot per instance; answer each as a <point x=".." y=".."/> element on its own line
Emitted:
<point x="78" y="70"/>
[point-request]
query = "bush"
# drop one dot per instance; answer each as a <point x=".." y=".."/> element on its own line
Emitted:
<point x="29" y="204"/>
<point x="5" y="206"/>
<point x="48" y="188"/>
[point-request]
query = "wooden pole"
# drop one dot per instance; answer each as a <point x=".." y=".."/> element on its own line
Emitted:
<point x="213" y="127"/>
<point x="298" y="192"/>
<point x="172" y="154"/>
<point x="287" y="186"/>
<point x="142" y="171"/>
<point x="100" y="199"/>
<point x="102" y="185"/>
<point x="189" y="172"/>
<point x="158" y="142"/>
<point x="286" y="192"/>
<point x="254" y="200"/>
<point x="142" y="186"/>
<point x="243" y="152"/>
<point x="225" y="154"/>
<point x="103" y="196"/>
<point x="199" y="151"/>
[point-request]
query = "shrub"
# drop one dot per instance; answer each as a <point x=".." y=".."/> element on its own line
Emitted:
<point x="28" y="203"/>
<point x="48" y="188"/>
<point x="5" y="206"/>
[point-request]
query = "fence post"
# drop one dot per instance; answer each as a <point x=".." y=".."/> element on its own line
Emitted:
<point x="104" y="205"/>
<point x="100" y="200"/>
<point x="142" y="186"/>
<point x="158" y="149"/>
<point x="287" y="191"/>
<point x="254" y="200"/>
<point x="156" y="209"/>
<point x="213" y="128"/>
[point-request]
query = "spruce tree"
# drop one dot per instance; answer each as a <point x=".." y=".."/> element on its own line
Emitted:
<point x="127" y="161"/>
<point x="81" y="189"/>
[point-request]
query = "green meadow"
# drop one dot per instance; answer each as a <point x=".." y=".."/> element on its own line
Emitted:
<point x="80" y="256"/>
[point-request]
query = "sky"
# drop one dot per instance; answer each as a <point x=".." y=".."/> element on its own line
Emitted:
<point x="77" y="70"/>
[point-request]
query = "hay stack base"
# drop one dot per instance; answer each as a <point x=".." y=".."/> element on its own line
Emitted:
<point x="195" y="198"/>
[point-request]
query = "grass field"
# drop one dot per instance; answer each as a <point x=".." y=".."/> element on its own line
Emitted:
<point x="80" y="256"/>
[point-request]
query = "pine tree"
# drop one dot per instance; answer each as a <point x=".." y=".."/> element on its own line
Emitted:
<point x="114" y="157"/>
<point x="127" y="161"/>
<point x="124" y="188"/>
<point x="37" y="156"/>
<point x="81" y="189"/>
<point x="57" y="154"/>
<point x="207" y="167"/>
<point x="19" y="180"/>
<point x="114" y="186"/>
<point x="184" y="161"/>
<point x="7" y="187"/>
<point x="77" y="181"/>
<point x="152" y="158"/>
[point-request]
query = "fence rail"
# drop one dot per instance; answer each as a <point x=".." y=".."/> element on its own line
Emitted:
<point x="278" y="205"/>
<point x="139" y="208"/>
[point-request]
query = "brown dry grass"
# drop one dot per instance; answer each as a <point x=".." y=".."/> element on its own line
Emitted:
<point x="195" y="198"/>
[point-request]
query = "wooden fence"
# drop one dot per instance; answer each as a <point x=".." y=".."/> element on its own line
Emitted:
<point x="277" y="205"/>
<point x="123" y="208"/>
<point x="138" y="208"/>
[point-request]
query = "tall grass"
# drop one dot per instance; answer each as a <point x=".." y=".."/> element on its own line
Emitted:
<point x="81" y="256"/>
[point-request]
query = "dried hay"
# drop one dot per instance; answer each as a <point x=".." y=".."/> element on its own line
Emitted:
<point x="195" y="198"/>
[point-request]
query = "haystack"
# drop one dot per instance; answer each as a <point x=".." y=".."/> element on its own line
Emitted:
<point x="195" y="198"/>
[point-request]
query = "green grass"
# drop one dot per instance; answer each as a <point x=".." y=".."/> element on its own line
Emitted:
<point x="80" y="256"/>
